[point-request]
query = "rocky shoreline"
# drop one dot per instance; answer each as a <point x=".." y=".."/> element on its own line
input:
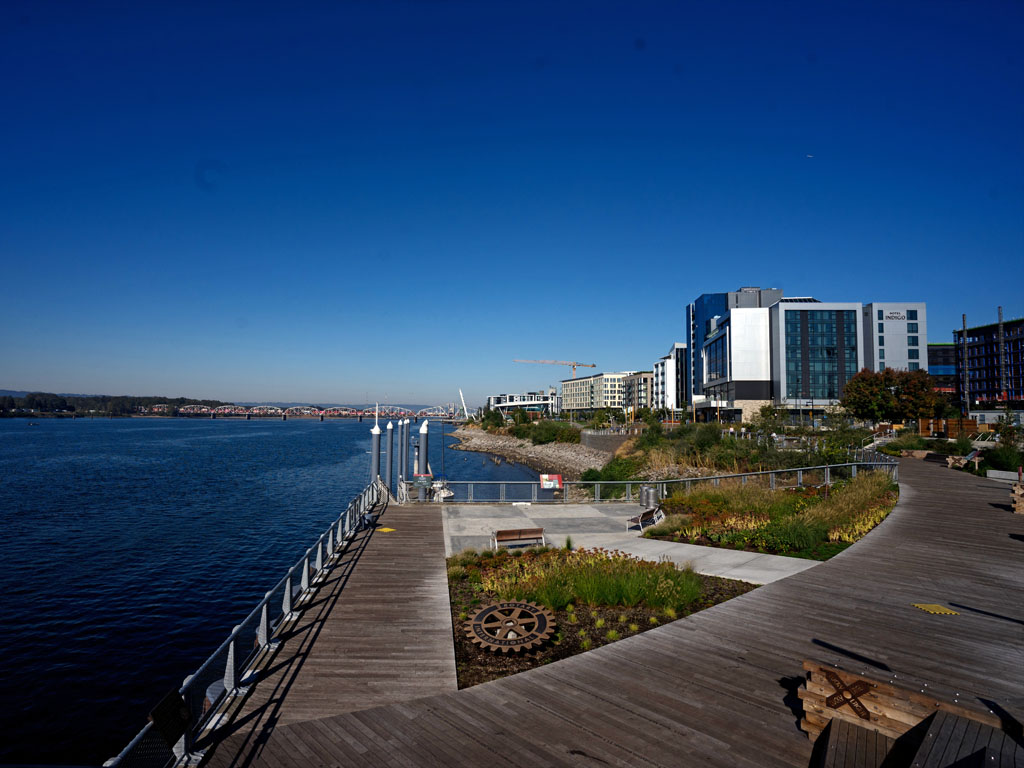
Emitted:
<point x="570" y="460"/>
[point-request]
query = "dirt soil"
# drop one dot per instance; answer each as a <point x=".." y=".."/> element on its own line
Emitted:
<point x="475" y="665"/>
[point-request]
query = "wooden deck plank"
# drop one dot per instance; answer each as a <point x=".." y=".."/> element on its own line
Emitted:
<point x="710" y="688"/>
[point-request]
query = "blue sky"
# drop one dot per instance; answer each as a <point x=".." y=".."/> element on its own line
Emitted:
<point x="335" y="201"/>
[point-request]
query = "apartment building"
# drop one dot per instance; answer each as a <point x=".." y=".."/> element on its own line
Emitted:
<point x="670" y="380"/>
<point x="637" y="391"/>
<point x="588" y="393"/>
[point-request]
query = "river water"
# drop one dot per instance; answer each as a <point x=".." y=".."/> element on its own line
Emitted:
<point x="130" y="548"/>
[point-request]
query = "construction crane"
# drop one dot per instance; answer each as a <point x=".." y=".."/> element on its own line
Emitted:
<point x="560" y="362"/>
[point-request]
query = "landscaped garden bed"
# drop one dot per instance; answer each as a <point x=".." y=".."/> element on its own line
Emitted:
<point x="596" y="597"/>
<point x="811" y="522"/>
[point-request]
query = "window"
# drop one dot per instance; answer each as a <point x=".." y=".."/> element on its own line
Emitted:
<point x="913" y="354"/>
<point x="881" y="354"/>
<point x="881" y="366"/>
<point x="881" y="327"/>
<point x="914" y="367"/>
<point x="911" y="314"/>
<point x="911" y="341"/>
<point x="881" y="341"/>
<point x="911" y="327"/>
<point x="879" y="314"/>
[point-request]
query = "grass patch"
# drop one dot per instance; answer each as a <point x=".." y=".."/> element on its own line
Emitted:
<point x="596" y="596"/>
<point x="803" y="522"/>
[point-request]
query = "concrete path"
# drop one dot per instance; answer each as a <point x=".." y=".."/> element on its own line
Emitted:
<point x="604" y="525"/>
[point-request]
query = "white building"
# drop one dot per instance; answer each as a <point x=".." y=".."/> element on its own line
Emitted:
<point x="735" y="364"/>
<point x="669" y="384"/>
<point x="535" y="402"/>
<point x="602" y="390"/>
<point x="896" y="336"/>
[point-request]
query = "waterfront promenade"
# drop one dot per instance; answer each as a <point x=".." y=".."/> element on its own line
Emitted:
<point x="717" y="688"/>
<point x="378" y="631"/>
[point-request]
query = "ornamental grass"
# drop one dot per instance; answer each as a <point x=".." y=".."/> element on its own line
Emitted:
<point x="790" y="521"/>
<point x="593" y="577"/>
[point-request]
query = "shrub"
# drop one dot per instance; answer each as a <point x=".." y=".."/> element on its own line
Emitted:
<point x="1005" y="458"/>
<point x="594" y="577"/>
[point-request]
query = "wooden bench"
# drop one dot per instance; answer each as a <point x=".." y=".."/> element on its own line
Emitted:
<point x="519" y="537"/>
<point x="650" y="517"/>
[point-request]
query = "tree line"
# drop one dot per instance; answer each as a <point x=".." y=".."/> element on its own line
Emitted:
<point x="112" y="405"/>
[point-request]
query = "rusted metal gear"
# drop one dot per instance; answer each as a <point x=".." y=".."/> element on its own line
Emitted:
<point x="511" y="626"/>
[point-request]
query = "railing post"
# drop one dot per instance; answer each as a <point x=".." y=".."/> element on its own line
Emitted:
<point x="597" y="491"/>
<point x="304" y="578"/>
<point x="853" y="470"/>
<point x="263" y="631"/>
<point x="286" y="600"/>
<point x="230" y="675"/>
<point x="469" y="492"/>
<point x="330" y="541"/>
<point x="828" y="476"/>
<point x="715" y="482"/>
<point x="501" y="492"/>
<point x="771" y="480"/>
<point x="799" y="478"/>
<point x="743" y="480"/>
<point x="533" y="491"/>
<point x="629" y="491"/>
<point x="319" y="573"/>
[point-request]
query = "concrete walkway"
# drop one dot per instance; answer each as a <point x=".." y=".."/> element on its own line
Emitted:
<point x="604" y="525"/>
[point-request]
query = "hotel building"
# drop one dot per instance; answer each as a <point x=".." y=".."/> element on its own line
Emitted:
<point x="895" y="336"/>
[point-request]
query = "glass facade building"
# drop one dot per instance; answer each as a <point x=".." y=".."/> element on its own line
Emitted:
<point x="816" y="348"/>
<point x="821" y="352"/>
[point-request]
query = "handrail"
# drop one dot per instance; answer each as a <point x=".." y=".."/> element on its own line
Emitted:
<point x="536" y="494"/>
<point x="148" y="748"/>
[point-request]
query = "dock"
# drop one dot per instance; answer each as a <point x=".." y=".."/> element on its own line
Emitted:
<point x="370" y="681"/>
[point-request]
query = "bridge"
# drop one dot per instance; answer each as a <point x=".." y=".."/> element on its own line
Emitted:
<point x="447" y="411"/>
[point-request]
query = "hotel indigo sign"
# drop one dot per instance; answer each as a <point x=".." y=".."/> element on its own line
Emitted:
<point x="896" y="316"/>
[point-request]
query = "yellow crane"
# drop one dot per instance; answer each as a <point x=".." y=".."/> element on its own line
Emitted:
<point x="560" y="362"/>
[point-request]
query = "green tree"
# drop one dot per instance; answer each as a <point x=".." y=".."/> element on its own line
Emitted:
<point x="915" y="395"/>
<point x="1007" y="428"/>
<point x="868" y="395"/>
<point x="769" y="420"/>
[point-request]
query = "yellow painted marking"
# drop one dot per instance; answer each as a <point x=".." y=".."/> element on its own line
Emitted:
<point x="935" y="608"/>
<point x="386" y="530"/>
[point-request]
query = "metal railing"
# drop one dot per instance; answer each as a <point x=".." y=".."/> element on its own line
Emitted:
<point x="226" y="674"/>
<point x="497" y="491"/>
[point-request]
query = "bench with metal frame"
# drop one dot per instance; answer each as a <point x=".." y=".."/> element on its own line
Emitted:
<point x="518" y="537"/>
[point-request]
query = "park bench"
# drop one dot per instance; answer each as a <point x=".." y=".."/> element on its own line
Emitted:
<point x="518" y="537"/>
<point x="649" y="517"/>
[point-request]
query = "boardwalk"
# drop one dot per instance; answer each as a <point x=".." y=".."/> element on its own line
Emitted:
<point x="377" y="632"/>
<point x="718" y="688"/>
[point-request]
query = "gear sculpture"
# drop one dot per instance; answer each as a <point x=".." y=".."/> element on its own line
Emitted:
<point x="511" y="626"/>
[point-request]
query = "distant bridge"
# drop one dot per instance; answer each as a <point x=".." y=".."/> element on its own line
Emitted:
<point x="447" y="411"/>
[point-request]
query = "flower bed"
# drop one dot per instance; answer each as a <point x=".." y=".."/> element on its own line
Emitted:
<point x="804" y="522"/>
<point x="596" y="596"/>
